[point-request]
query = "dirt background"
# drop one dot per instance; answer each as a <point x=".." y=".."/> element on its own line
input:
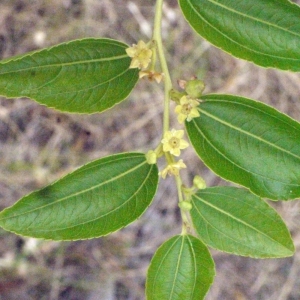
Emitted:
<point x="38" y="145"/>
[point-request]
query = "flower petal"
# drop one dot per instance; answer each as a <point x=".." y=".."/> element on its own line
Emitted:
<point x="183" y="144"/>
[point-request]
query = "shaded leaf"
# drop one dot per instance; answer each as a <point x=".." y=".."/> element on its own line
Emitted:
<point x="266" y="32"/>
<point x="236" y="221"/>
<point x="82" y="76"/>
<point x="96" y="199"/>
<point x="249" y="143"/>
<point x="182" y="268"/>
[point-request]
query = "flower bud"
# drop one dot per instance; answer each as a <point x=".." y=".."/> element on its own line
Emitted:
<point x="194" y="88"/>
<point x="176" y="96"/>
<point x="185" y="205"/>
<point x="151" y="157"/>
<point x="199" y="182"/>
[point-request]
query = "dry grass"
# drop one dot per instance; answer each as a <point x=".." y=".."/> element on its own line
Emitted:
<point x="38" y="145"/>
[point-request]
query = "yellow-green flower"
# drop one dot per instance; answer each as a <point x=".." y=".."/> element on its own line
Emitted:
<point x="187" y="109"/>
<point x="140" y="54"/>
<point x="173" y="142"/>
<point x="172" y="169"/>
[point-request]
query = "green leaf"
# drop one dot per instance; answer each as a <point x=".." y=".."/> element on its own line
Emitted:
<point x="96" y="199"/>
<point x="82" y="76"/>
<point x="266" y="32"/>
<point x="182" y="268"/>
<point x="249" y="143"/>
<point x="235" y="221"/>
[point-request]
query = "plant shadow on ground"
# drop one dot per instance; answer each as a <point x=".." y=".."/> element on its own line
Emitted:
<point x="38" y="145"/>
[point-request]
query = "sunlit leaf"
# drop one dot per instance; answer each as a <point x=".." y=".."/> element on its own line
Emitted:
<point x="249" y="143"/>
<point x="236" y="221"/>
<point x="96" y="199"/>
<point x="182" y="268"/>
<point x="266" y="32"/>
<point x="82" y="76"/>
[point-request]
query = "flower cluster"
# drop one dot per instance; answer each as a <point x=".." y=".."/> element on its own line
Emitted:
<point x="141" y="55"/>
<point x="187" y="101"/>
<point x="171" y="143"/>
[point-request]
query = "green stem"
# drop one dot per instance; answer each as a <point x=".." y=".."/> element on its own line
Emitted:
<point x="179" y="184"/>
<point x="163" y="62"/>
<point x="167" y="88"/>
<point x="185" y="220"/>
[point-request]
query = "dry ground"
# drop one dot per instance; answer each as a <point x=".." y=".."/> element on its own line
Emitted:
<point x="38" y="145"/>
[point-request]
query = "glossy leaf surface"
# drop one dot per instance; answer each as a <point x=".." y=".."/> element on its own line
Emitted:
<point x="182" y="268"/>
<point x="266" y="32"/>
<point x="98" y="198"/>
<point x="236" y="221"/>
<point x="82" y="76"/>
<point x="249" y="143"/>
